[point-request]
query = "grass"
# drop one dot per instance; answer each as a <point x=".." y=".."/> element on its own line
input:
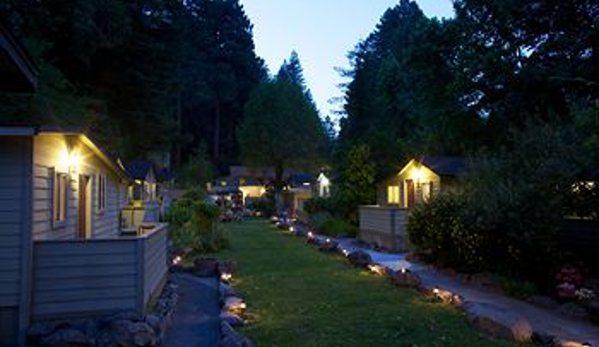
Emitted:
<point x="298" y="296"/>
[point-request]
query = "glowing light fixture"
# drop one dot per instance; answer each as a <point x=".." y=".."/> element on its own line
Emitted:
<point x="417" y="175"/>
<point x="71" y="161"/>
<point x="225" y="276"/>
<point x="177" y="260"/>
<point x="310" y="235"/>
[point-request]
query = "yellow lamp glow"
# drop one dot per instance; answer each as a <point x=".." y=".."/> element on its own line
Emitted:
<point x="70" y="161"/>
<point x="417" y="175"/>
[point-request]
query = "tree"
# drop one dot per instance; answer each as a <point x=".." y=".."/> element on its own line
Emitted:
<point x="281" y="130"/>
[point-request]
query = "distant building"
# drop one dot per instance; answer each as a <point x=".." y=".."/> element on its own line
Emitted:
<point x="421" y="179"/>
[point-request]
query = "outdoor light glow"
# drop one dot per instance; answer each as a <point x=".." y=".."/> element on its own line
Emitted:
<point x="177" y="260"/>
<point x="328" y="240"/>
<point x="292" y="229"/>
<point x="310" y="235"/>
<point x="436" y="291"/>
<point x="345" y="252"/>
<point x="70" y="161"/>
<point x="404" y="270"/>
<point x="226" y="276"/>
<point x="417" y="175"/>
<point x="377" y="269"/>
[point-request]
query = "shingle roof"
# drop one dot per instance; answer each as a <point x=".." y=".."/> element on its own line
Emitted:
<point x="445" y="166"/>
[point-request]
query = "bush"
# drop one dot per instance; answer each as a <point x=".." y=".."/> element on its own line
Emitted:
<point x="195" y="224"/>
<point x="338" y="228"/>
<point x="441" y="234"/>
<point x="516" y="288"/>
<point x="265" y="206"/>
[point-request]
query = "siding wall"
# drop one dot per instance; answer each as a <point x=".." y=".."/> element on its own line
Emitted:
<point x="384" y="226"/>
<point x="88" y="278"/>
<point x="15" y="217"/>
<point x="48" y="152"/>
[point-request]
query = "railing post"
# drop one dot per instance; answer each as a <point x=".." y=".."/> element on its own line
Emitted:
<point x="141" y="276"/>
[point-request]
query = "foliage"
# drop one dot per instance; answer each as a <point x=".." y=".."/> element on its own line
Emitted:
<point x="143" y="76"/>
<point x="287" y="282"/>
<point x="441" y="234"/>
<point x="517" y="288"/>
<point x="265" y="206"/>
<point x="338" y="228"/>
<point x="195" y="224"/>
<point x="197" y="171"/>
<point x="281" y="130"/>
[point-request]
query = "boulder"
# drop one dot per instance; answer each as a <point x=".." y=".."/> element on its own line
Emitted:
<point x="143" y="335"/>
<point x="360" y="258"/>
<point x="406" y="279"/>
<point x="498" y="322"/>
<point x="230" y="338"/>
<point x="232" y="319"/>
<point x="37" y="331"/>
<point x="227" y="266"/>
<point x="67" y="338"/>
<point x="329" y="246"/>
<point x="543" y="301"/>
<point x="226" y="291"/>
<point x="573" y="310"/>
<point x="125" y="333"/>
<point x="205" y="267"/>
<point x="155" y="322"/>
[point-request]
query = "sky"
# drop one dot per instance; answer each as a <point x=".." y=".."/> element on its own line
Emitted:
<point x="322" y="32"/>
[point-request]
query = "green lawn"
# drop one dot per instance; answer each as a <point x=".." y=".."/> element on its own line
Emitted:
<point x="298" y="296"/>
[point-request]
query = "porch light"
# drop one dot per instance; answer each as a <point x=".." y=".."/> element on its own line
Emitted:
<point x="417" y="175"/>
<point x="70" y="161"/>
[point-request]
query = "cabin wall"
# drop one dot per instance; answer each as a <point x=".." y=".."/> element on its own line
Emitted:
<point x="15" y="236"/>
<point x="49" y="153"/>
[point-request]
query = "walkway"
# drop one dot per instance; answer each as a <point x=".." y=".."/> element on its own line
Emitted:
<point x="196" y="319"/>
<point x="542" y="320"/>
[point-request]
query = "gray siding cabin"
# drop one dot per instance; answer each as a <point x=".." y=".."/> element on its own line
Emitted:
<point x="62" y="252"/>
<point x="384" y="224"/>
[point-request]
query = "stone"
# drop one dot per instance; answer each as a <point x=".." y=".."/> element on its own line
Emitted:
<point x="329" y="246"/>
<point x="498" y="322"/>
<point x="360" y="258"/>
<point x="143" y="335"/>
<point x="230" y="338"/>
<point x="67" y="338"/>
<point x="227" y="266"/>
<point x="116" y="334"/>
<point x="205" y="267"/>
<point x="127" y="315"/>
<point x="37" y="331"/>
<point x="155" y="323"/>
<point x="573" y="310"/>
<point x="89" y="327"/>
<point x="232" y="319"/>
<point x="543" y="301"/>
<point x="234" y="304"/>
<point x="407" y="279"/>
<point x="226" y="291"/>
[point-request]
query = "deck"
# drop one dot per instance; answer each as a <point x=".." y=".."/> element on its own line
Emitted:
<point x="74" y="279"/>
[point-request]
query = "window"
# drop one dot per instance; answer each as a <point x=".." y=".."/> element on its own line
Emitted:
<point x="393" y="195"/>
<point x="427" y="191"/>
<point x="101" y="196"/>
<point x="59" y="205"/>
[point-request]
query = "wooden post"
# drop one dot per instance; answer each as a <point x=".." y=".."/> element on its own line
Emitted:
<point x="141" y="276"/>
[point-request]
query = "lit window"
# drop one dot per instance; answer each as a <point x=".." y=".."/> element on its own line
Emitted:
<point x="101" y="192"/>
<point x="427" y="191"/>
<point x="393" y="195"/>
<point x="59" y="206"/>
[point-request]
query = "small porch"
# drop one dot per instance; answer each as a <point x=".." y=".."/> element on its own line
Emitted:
<point x="384" y="226"/>
<point x="72" y="279"/>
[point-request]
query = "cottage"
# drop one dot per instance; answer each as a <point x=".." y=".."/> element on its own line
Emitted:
<point x="143" y="206"/>
<point x="301" y="189"/>
<point x="417" y="182"/>
<point x="62" y="252"/>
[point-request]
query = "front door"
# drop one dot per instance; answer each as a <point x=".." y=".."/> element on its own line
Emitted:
<point x="84" y="208"/>
<point x="410" y="194"/>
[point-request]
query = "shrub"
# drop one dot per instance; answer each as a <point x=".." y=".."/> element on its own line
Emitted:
<point x="195" y="224"/>
<point x="517" y="288"/>
<point x="265" y="206"/>
<point x="441" y="234"/>
<point x="338" y="228"/>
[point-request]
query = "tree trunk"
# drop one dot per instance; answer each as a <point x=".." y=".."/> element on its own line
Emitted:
<point x="217" y="133"/>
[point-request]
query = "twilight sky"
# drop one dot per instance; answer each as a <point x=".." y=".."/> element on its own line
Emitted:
<point x="322" y="32"/>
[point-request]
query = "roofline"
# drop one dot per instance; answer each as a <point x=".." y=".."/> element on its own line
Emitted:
<point x="22" y="58"/>
<point x="31" y="131"/>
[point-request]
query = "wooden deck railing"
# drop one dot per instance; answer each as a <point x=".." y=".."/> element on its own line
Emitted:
<point x="384" y="226"/>
<point x="94" y="277"/>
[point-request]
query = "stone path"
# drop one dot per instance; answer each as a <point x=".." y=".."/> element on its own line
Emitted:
<point x="542" y="320"/>
<point x="196" y="320"/>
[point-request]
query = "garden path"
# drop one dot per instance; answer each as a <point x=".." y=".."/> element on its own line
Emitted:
<point x="542" y="320"/>
<point x="196" y="320"/>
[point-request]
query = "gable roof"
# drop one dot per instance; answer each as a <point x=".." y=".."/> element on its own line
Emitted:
<point x="18" y="74"/>
<point x="445" y="166"/>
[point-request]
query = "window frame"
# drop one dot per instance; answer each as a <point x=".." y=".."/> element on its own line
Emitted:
<point x="393" y="195"/>
<point x="60" y="198"/>
<point x="101" y="193"/>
